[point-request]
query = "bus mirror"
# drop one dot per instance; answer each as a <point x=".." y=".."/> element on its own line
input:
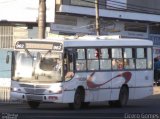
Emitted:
<point x="7" y="59"/>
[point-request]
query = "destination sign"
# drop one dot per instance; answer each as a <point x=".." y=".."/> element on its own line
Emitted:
<point x="38" y="45"/>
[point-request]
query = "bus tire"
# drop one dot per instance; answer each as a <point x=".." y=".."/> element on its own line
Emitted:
<point x="123" y="97"/>
<point x="33" y="104"/>
<point x="112" y="103"/>
<point x="78" y="100"/>
<point x="85" y="104"/>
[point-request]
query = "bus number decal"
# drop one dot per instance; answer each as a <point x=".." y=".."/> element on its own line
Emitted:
<point x="20" y="45"/>
<point x="126" y="75"/>
<point x="57" y="46"/>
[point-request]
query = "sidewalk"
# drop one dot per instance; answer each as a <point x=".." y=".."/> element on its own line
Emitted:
<point x="156" y="93"/>
<point x="156" y="90"/>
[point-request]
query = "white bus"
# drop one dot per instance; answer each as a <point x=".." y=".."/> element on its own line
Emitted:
<point x="78" y="71"/>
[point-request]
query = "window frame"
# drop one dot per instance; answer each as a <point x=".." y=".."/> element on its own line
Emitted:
<point x="110" y="58"/>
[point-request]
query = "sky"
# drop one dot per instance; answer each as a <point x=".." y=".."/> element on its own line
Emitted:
<point x="24" y="10"/>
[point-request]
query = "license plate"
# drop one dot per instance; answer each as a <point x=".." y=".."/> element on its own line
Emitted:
<point x="34" y="97"/>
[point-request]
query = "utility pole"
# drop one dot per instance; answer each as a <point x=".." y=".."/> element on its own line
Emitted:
<point x="42" y="19"/>
<point x="97" y="17"/>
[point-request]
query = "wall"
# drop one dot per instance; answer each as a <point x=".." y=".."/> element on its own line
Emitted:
<point x="84" y="25"/>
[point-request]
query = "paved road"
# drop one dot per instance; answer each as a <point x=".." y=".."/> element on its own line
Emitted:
<point x="148" y="108"/>
<point x="95" y="111"/>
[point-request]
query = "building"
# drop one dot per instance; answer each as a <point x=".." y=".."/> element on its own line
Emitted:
<point x="128" y="18"/>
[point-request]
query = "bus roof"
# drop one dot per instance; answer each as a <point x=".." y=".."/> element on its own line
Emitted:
<point x="96" y="41"/>
<point x="106" y="41"/>
<point x="101" y="43"/>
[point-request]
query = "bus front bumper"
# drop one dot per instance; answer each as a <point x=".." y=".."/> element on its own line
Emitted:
<point x="57" y="98"/>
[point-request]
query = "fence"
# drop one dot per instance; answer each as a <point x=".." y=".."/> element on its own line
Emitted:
<point x="4" y="94"/>
<point x="6" y="35"/>
<point x="5" y="77"/>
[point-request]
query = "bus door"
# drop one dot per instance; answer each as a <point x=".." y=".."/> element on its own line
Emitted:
<point x="69" y="63"/>
<point x="68" y="74"/>
<point x="5" y="74"/>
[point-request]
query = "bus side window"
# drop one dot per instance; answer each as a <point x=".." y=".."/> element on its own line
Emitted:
<point x="105" y="60"/>
<point x="120" y="63"/>
<point x="129" y="59"/>
<point x="117" y="64"/>
<point x="126" y="64"/>
<point x="117" y="59"/>
<point x="149" y="59"/>
<point x="81" y="60"/>
<point x="141" y="61"/>
<point x="93" y="59"/>
<point x="114" y="64"/>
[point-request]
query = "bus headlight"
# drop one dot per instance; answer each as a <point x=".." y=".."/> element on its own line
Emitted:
<point x="14" y="89"/>
<point x="55" y="91"/>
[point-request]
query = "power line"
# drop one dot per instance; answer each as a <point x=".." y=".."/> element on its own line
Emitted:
<point x="133" y="8"/>
<point x="136" y="6"/>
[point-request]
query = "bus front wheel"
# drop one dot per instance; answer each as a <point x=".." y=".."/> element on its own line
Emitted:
<point x="78" y="100"/>
<point x="33" y="104"/>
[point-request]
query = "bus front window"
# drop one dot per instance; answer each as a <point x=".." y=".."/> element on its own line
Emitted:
<point x="38" y="66"/>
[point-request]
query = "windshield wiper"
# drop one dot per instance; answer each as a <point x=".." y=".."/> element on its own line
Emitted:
<point x="49" y="51"/>
<point x="29" y="53"/>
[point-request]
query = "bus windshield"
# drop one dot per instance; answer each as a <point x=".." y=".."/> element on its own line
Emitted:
<point x="42" y="66"/>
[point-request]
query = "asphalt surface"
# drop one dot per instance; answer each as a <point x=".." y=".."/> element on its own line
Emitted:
<point x="148" y="106"/>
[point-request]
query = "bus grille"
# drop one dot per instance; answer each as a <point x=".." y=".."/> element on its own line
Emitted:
<point x="34" y="86"/>
<point x="35" y="89"/>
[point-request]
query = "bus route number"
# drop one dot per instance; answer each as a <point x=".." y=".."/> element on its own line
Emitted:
<point x="57" y="47"/>
<point x="20" y="45"/>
